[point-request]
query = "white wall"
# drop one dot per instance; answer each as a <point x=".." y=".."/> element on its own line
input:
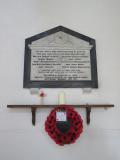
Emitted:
<point x="99" y="19"/>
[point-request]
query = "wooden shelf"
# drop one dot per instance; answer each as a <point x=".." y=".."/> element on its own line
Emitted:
<point x="86" y="106"/>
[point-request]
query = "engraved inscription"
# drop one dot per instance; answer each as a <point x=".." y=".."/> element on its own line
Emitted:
<point x="60" y="65"/>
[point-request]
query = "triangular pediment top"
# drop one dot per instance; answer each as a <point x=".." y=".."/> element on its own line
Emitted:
<point x="60" y="39"/>
<point x="58" y="29"/>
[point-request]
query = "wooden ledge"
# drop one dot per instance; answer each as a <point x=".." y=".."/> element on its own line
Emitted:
<point x="86" y="106"/>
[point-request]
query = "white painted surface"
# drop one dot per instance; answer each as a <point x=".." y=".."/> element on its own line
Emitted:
<point x="21" y="19"/>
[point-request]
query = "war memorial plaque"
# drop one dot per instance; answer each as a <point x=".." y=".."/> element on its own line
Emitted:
<point x="60" y="58"/>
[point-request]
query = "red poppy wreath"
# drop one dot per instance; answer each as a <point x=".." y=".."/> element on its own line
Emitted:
<point x="64" y="132"/>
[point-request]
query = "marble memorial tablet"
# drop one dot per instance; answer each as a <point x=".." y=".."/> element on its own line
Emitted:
<point x="60" y="58"/>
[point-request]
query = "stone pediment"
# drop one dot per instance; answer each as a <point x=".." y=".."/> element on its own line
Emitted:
<point x="61" y="39"/>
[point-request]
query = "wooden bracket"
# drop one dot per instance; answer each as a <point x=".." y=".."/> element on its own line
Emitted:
<point x="87" y="107"/>
<point x="33" y="110"/>
<point x="88" y="110"/>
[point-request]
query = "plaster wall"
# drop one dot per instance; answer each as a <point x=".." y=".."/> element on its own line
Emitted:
<point x="99" y="19"/>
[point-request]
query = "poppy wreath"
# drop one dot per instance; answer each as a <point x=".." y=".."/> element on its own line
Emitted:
<point x="75" y="129"/>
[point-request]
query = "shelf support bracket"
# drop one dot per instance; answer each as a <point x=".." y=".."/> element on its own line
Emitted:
<point x="33" y="110"/>
<point x="88" y="111"/>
